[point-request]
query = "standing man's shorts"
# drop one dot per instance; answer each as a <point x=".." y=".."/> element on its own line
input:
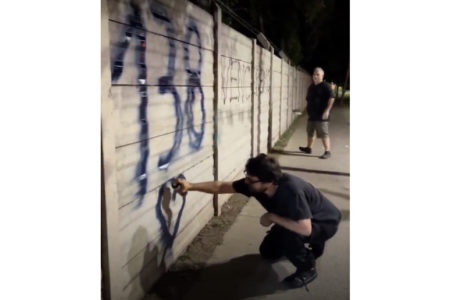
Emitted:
<point x="320" y="126"/>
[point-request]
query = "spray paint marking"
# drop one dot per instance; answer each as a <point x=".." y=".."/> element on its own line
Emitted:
<point x="168" y="238"/>
<point x="193" y="82"/>
<point x="166" y="84"/>
<point x="117" y="64"/>
<point x="234" y="78"/>
<point x="141" y="172"/>
<point x="137" y="29"/>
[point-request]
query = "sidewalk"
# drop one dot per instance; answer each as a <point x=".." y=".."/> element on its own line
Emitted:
<point x="236" y="271"/>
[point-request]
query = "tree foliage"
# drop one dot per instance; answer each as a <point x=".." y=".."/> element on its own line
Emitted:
<point x="311" y="32"/>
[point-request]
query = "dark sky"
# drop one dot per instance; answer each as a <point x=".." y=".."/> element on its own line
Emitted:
<point x="311" y="32"/>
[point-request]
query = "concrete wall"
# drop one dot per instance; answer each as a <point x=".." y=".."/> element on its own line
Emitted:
<point x="276" y="99"/>
<point x="234" y="105"/>
<point x="158" y="110"/>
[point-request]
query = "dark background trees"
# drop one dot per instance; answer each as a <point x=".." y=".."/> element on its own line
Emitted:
<point x="310" y="32"/>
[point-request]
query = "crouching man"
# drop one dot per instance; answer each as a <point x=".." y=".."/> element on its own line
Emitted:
<point x="302" y="218"/>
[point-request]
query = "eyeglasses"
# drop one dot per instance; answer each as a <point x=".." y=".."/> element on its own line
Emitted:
<point x="248" y="180"/>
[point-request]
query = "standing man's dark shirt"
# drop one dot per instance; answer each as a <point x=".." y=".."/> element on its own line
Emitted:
<point x="295" y="199"/>
<point x="317" y="99"/>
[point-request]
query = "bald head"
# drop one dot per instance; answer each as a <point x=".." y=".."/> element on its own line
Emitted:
<point x="318" y="75"/>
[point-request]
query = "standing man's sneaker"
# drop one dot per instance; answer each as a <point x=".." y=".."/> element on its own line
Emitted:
<point x="325" y="155"/>
<point x="305" y="149"/>
<point x="300" y="279"/>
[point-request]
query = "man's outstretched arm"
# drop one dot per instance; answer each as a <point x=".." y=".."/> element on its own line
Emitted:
<point x="211" y="187"/>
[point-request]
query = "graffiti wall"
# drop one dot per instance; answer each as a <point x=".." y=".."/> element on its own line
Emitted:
<point x="235" y="103"/>
<point x="161" y="57"/>
<point x="160" y="89"/>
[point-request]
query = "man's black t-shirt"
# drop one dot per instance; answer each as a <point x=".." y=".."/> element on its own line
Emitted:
<point x="295" y="199"/>
<point x="317" y="99"/>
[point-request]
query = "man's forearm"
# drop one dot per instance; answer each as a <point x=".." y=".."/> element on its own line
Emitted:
<point x="211" y="187"/>
<point x="300" y="227"/>
<point x="330" y="105"/>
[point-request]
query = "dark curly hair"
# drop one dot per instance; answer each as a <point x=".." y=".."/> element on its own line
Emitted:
<point x="266" y="168"/>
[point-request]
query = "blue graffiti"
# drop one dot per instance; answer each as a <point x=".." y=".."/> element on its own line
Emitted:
<point x="193" y="82"/>
<point x="141" y="172"/>
<point x="166" y="84"/>
<point x="117" y="63"/>
<point x="167" y="237"/>
<point x="137" y="29"/>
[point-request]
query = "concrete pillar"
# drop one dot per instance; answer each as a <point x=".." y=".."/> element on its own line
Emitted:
<point x="269" y="137"/>
<point x="217" y="87"/>
<point x="281" y="97"/>
<point x="253" y="114"/>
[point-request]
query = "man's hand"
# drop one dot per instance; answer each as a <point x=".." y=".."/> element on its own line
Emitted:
<point x="266" y="219"/>
<point x="182" y="186"/>
<point x="325" y="115"/>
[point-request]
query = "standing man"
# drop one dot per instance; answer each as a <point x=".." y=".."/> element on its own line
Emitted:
<point x="319" y="100"/>
<point x="302" y="218"/>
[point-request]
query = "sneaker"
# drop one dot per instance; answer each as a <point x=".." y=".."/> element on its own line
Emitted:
<point x="325" y="155"/>
<point x="305" y="149"/>
<point x="300" y="279"/>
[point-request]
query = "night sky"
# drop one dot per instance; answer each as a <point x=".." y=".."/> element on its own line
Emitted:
<point x="310" y="32"/>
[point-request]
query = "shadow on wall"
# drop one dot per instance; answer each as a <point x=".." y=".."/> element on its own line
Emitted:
<point x="153" y="259"/>
<point x="139" y="264"/>
<point x="143" y="267"/>
<point x="240" y="278"/>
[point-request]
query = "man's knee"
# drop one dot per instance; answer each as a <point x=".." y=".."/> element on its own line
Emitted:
<point x="269" y="253"/>
<point x="322" y="130"/>
<point x="310" y="130"/>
